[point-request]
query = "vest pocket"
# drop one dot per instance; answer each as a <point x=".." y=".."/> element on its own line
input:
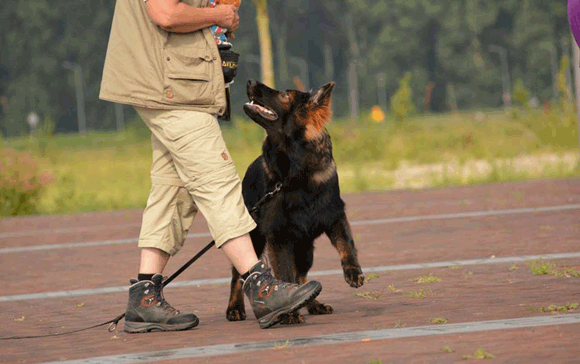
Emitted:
<point x="187" y="77"/>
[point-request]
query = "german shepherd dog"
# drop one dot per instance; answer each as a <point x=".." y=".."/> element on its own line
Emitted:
<point x="297" y="153"/>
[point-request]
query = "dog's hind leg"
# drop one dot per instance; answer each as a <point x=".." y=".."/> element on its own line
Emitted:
<point x="236" y="309"/>
<point x="340" y="236"/>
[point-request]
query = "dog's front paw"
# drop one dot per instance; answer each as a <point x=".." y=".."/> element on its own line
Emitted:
<point x="236" y="314"/>
<point x="292" y="319"/>
<point x="354" y="276"/>
<point x="317" y="308"/>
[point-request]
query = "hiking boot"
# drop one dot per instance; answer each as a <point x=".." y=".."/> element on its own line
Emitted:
<point x="147" y="309"/>
<point x="271" y="298"/>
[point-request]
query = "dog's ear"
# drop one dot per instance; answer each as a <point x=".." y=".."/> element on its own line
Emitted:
<point x="322" y="94"/>
<point x="319" y="111"/>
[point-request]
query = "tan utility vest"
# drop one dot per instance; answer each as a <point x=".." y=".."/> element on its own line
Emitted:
<point x="149" y="67"/>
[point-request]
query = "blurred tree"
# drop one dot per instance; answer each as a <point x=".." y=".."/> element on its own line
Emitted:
<point x="442" y="42"/>
<point x="263" y="21"/>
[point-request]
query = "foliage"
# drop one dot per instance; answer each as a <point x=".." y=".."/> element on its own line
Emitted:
<point x="103" y="171"/>
<point x="402" y="101"/>
<point x="21" y="183"/>
<point x="563" y="82"/>
<point x="441" y="41"/>
<point x="521" y="93"/>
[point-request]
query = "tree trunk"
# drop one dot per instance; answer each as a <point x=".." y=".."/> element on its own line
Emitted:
<point x="576" y="62"/>
<point x="263" y="22"/>
<point x="283" y="71"/>
<point x="352" y="72"/>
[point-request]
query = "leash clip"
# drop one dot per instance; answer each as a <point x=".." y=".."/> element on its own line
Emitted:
<point x="113" y="325"/>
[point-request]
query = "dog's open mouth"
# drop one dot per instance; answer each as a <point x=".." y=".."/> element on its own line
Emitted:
<point x="264" y="111"/>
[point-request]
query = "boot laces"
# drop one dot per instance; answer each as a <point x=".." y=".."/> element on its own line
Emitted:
<point x="161" y="302"/>
<point x="268" y="277"/>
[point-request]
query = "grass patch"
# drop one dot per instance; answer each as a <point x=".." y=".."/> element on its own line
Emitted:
<point x="426" y="279"/>
<point x="369" y="295"/>
<point x="286" y="345"/>
<point x="568" y="307"/>
<point x="399" y="324"/>
<point x="567" y="273"/>
<point x="513" y="267"/>
<point x="422" y="293"/>
<point x="110" y="171"/>
<point x="438" y="320"/>
<point x="479" y="354"/>
<point x="447" y="349"/>
<point x="370" y="277"/>
<point x="539" y="267"/>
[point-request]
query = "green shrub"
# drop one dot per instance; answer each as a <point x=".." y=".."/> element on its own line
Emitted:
<point x="21" y="183"/>
<point x="521" y="94"/>
<point x="402" y="102"/>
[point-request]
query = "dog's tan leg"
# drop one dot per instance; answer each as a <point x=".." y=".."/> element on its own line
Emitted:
<point x="341" y="237"/>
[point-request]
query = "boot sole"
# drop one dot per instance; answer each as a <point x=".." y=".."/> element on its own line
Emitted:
<point x="274" y="317"/>
<point x="141" y="327"/>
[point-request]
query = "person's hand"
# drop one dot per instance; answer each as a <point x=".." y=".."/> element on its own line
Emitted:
<point x="227" y="17"/>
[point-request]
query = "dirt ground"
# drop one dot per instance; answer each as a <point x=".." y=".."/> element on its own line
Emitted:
<point x="60" y="273"/>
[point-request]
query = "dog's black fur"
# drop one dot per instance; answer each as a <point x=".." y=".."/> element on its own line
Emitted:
<point x="297" y="152"/>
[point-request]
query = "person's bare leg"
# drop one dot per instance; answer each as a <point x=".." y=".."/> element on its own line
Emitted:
<point x="240" y="251"/>
<point x="153" y="261"/>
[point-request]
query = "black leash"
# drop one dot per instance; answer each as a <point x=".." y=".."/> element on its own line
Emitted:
<point x="113" y="323"/>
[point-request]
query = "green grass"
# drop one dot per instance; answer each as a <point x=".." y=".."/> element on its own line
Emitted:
<point x="369" y="295"/>
<point x="370" y="277"/>
<point x="422" y="293"/>
<point x="109" y="171"/>
<point x="426" y="279"/>
<point x="539" y="267"/>
<point x="286" y="345"/>
<point x="560" y="309"/>
<point x="479" y="354"/>
<point x="438" y="320"/>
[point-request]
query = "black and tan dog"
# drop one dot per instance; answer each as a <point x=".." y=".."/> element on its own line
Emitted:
<point x="297" y="153"/>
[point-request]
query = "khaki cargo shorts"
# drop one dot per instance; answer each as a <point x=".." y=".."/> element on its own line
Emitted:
<point x="191" y="171"/>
